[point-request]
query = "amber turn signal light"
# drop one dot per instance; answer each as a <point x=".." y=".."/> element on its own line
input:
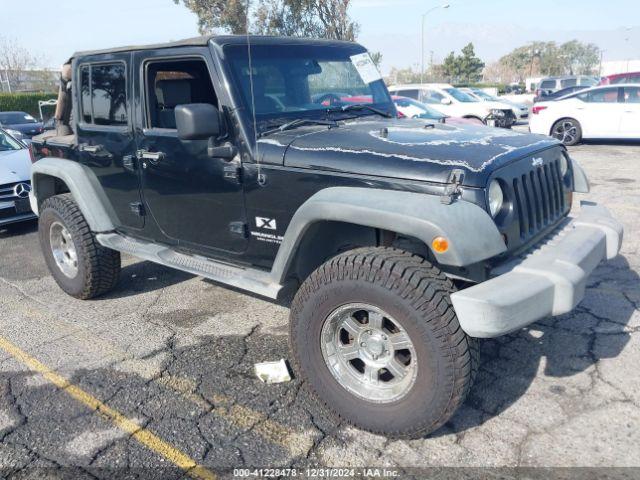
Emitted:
<point x="440" y="244"/>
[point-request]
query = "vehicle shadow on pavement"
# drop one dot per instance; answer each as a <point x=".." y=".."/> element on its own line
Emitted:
<point x="142" y="277"/>
<point x="567" y="346"/>
<point x="611" y="142"/>
<point x="16" y="229"/>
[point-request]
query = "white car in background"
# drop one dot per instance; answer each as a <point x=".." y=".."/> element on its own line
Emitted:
<point x="15" y="180"/>
<point x="606" y="112"/>
<point x="455" y="103"/>
<point x="520" y="110"/>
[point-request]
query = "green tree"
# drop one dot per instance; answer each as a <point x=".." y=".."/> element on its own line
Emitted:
<point x="465" y="67"/>
<point x="301" y="18"/>
<point x="580" y="58"/>
<point x="377" y="58"/>
<point x="549" y="58"/>
<point x="469" y="65"/>
<point x="451" y="67"/>
<point x="226" y="15"/>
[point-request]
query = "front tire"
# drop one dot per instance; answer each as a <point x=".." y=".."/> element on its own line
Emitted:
<point x="568" y="131"/>
<point x="374" y="333"/>
<point x="81" y="266"/>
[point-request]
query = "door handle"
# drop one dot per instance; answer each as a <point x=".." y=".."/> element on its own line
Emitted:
<point x="226" y="151"/>
<point x="90" y="148"/>
<point x="153" y="157"/>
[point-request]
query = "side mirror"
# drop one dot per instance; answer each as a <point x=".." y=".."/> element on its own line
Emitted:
<point x="197" y="121"/>
<point x="445" y="101"/>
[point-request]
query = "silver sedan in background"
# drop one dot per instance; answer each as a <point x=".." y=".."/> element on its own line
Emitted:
<point x="15" y="180"/>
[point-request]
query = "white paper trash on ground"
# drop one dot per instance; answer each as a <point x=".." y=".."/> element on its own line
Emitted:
<point x="273" y="372"/>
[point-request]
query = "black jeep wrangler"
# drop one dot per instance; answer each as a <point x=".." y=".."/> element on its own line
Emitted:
<point x="279" y="166"/>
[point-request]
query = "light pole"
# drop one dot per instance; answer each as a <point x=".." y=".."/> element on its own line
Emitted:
<point x="444" y="6"/>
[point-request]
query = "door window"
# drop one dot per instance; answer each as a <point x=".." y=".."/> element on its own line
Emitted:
<point x="433" y="97"/>
<point x="173" y="83"/>
<point x="568" y="82"/>
<point x="103" y="92"/>
<point x="604" y="95"/>
<point x="415" y="94"/>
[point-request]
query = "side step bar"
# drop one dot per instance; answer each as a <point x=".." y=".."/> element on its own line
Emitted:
<point x="249" y="279"/>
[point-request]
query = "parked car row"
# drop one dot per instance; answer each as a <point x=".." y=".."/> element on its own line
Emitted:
<point x="550" y="85"/>
<point x="454" y="102"/>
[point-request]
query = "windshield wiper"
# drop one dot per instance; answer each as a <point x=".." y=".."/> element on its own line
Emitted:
<point x="359" y="107"/>
<point x="298" y="122"/>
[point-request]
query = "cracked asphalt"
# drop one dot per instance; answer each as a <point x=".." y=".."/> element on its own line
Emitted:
<point x="175" y="354"/>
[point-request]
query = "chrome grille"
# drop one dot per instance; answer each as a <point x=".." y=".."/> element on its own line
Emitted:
<point x="7" y="193"/>
<point x="540" y="199"/>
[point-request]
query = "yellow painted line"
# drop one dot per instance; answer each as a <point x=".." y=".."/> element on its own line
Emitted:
<point x="142" y="435"/>
<point x="242" y="417"/>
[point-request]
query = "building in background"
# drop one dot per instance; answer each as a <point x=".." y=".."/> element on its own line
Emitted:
<point x="611" y="67"/>
<point x="28" y="81"/>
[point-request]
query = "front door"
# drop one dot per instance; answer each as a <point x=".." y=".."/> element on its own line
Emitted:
<point x="190" y="196"/>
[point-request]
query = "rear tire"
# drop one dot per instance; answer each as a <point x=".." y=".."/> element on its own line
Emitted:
<point x="568" y="131"/>
<point x="387" y="293"/>
<point x="81" y="266"/>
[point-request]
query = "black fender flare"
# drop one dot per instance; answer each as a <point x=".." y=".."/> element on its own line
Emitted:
<point x="472" y="233"/>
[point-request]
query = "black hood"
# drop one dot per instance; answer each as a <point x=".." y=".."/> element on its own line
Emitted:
<point x="407" y="149"/>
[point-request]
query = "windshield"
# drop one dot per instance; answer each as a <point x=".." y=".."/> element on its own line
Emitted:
<point x="484" y="95"/>
<point x="7" y="143"/>
<point x="16" y="118"/>
<point x="460" y="95"/>
<point x="303" y="81"/>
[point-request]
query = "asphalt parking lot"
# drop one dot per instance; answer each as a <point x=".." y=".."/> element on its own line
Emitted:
<point x="160" y="373"/>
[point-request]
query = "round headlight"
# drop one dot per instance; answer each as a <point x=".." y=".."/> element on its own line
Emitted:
<point x="496" y="198"/>
<point x="564" y="165"/>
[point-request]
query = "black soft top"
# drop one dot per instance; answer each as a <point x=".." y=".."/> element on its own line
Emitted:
<point x="220" y="40"/>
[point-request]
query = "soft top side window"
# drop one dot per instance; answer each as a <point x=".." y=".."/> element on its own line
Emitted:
<point x="103" y="94"/>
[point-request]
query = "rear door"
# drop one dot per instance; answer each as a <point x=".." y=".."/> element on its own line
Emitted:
<point x="106" y="143"/>
<point x="193" y="199"/>
<point x="599" y="112"/>
<point x="630" y="122"/>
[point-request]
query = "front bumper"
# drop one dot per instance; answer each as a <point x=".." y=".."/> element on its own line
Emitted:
<point x="12" y="208"/>
<point x="8" y="214"/>
<point x="549" y="281"/>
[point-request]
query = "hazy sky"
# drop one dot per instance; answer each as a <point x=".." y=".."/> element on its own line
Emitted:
<point x="389" y="26"/>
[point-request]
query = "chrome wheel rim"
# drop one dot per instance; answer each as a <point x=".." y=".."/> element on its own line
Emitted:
<point x="63" y="249"/>
<point x="369" y="353"/>
<point x="565" y="131"/>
